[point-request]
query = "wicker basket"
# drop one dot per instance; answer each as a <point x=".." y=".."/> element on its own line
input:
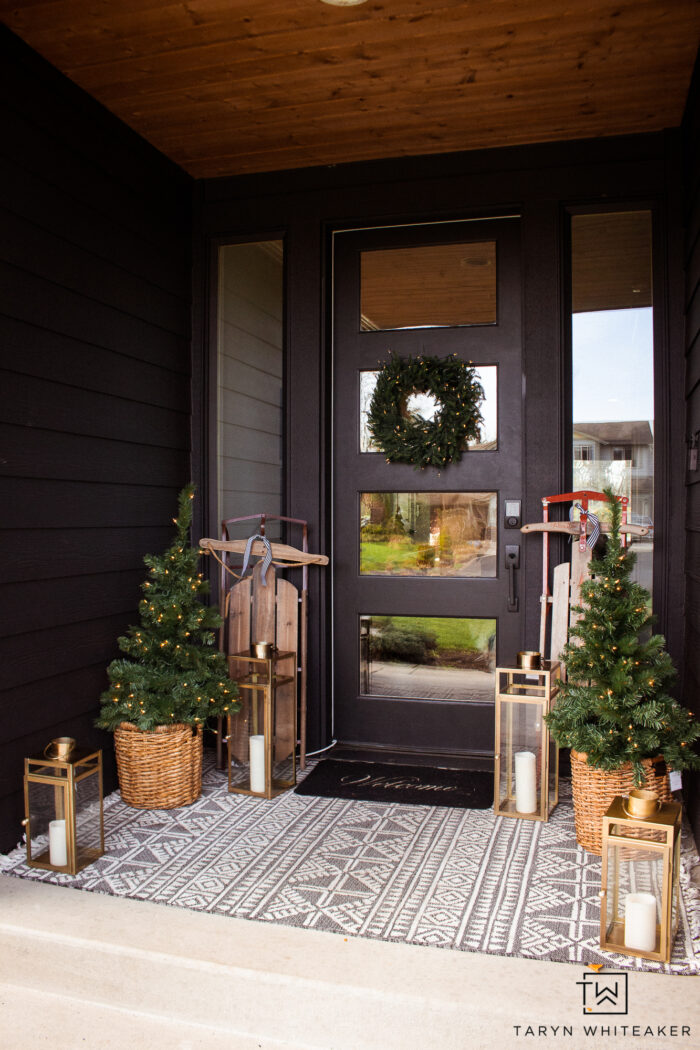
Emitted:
<point x="594" y="790"/>
<point x="160" y="769"/>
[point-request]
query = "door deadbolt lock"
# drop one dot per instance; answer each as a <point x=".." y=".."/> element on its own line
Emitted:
<point x="512" y="514"/>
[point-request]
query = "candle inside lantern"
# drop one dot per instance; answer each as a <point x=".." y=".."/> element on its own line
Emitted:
<point x="640" y="921"/>
<point x="58" y="847"/>
<point x="257" y="763"/>
<point x="525" y="782"/>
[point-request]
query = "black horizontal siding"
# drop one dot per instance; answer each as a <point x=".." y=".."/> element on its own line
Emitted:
<point x="95" y="418"/>
<point x="691" y="144"/>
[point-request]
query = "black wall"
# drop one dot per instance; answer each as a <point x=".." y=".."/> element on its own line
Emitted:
<point x="95" y="413"/>
<point x="691" y="169"/>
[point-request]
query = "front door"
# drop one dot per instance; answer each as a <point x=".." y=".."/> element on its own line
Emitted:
<point x="426" y="595"/>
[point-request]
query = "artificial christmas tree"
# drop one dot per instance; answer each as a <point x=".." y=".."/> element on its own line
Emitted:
<point x="614" y="710"/>
<point x="171" y="680"/>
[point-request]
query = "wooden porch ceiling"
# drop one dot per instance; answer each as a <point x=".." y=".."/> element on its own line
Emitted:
<point x="226" y="87"/>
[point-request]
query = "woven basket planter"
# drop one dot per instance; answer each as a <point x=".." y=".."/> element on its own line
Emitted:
<point x="159" y="769"/>
<point x="594" y="790"/>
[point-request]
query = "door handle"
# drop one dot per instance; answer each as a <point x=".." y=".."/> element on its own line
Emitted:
<point x="512" y="563"/>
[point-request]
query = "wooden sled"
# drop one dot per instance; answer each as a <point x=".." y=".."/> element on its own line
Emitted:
<point x="252" y="612"/>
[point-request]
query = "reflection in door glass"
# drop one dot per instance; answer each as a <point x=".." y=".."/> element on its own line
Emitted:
<point x="428" y="657"/>
<point x="613" y="366"/>
<point x="428" y="533"/>
<point x="487" y="375"/>
<point x="431" y="286"/>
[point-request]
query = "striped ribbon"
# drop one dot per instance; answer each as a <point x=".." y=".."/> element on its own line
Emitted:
<point x="595" y="522"/>
<point x="267" y="557"/>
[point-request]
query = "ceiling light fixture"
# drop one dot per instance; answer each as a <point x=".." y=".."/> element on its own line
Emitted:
<point x="344" y="3"/>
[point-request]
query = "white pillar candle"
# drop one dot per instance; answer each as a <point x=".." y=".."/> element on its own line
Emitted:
<point x="58" y="847"/>
<point x="257" y="763"/>
<point x="525" y="782"/>
<point x="640" y="921"/>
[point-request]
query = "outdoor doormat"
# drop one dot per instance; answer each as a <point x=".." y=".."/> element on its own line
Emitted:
<point x="440" y="876"/>
<point x="408" y="785"/>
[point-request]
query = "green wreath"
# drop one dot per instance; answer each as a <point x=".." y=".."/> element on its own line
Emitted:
<point x="404" y="436"/>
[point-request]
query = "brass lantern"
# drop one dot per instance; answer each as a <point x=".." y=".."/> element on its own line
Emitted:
<point x="63" y="807"/>
<point x="262" y="734"/>
<point x="526" y="769"/>
<point x="641" y="864"/>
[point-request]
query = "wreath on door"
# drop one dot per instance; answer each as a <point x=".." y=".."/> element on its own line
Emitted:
<point x="402" y="433"/>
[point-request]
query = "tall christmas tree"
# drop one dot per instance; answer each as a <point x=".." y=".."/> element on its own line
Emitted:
<point x="614" y="706"/>
<point x="172" y="672"/>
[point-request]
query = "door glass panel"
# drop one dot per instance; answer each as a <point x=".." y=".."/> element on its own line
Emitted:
<point x="487" y="375"/>
<point x="433" y="286"/>
<point x="613" y="366"/>
<point x="428" y="533"/>
<point x="428" y="657"/>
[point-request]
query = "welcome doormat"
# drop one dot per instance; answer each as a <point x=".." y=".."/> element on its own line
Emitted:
<point x="409" y="785"/>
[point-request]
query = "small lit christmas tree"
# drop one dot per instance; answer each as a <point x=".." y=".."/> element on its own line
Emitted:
<point x="614" y="706"/>
<point x="172" y="672"/>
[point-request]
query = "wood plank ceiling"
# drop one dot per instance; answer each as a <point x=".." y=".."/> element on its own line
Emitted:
<point x="226" y="87"/>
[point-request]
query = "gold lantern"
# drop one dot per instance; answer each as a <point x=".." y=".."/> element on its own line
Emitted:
<point x="262" y="734"/>
<point x="63" y="807"/>
<point x="526" y="768"/>
<point x="639" y="887"/>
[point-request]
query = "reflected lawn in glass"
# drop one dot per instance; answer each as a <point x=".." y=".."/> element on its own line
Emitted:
<point x="428" y="657"/>
<point x="428" y="534"/>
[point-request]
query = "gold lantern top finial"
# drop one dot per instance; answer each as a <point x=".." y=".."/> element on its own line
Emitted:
<point x="642" y="804"/>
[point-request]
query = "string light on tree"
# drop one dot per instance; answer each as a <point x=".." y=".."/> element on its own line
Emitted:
<point x="170" y="659"/>
<point x="615" y="707"/>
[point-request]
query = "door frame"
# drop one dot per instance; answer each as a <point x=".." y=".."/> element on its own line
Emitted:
<point x="483" y="753"/>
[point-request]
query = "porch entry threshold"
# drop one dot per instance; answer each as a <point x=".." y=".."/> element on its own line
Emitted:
<point x="448" y="877"/>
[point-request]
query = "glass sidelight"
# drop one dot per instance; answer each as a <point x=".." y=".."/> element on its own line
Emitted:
<point x="613" y="365"/>
<point x="428" y="657"/>
<point x="250" y="385"/>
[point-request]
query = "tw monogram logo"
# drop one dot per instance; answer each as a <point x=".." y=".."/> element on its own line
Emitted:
<point x="604" y="993"/>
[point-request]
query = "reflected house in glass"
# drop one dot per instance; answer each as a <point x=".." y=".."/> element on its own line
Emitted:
<point x="620" y="452"/>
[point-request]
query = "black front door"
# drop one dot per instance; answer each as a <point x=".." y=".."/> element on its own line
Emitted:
<point x="425" y="602"/>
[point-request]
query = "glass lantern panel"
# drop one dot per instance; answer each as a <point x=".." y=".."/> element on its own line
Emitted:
<point x="521" y="756"/>
<point x="47" y="821"/>
<point x="675" y="888"/>
<point x="284" y="714"/>
<point x="246" y="741"/>
<point x="88" y="819"/>
<point x="553" y="768"/>
<point x="634" y="896"/>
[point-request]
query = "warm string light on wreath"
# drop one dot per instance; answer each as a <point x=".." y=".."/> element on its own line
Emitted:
<point x="406" y="437"/>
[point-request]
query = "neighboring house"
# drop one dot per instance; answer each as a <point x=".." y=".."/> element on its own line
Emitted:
<point x="132" y="364"/>
<point x="629" y="444"/>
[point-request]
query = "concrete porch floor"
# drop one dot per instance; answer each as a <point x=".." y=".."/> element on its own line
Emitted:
<point x="84" y="969"/>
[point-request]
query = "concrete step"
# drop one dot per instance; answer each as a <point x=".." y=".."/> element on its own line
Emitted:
<point x="87" y="969"/>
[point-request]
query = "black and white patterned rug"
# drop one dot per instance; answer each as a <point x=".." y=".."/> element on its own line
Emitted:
<point x="452" y="878"/>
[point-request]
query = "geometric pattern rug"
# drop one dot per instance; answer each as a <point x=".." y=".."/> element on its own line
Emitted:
<point x="460" y="879"/>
